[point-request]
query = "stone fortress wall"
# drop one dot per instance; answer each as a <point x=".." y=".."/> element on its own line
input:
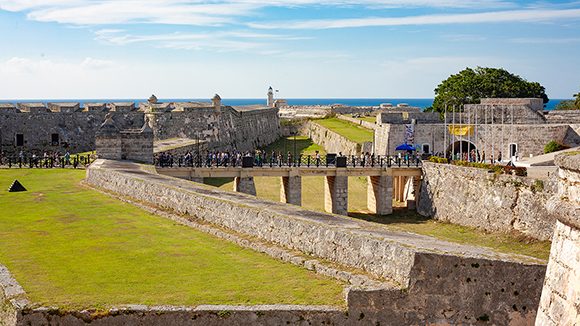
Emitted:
<point x="424" y="280"/>
<point x="34" y="126"/>
<point x="495" y="203"/>
<point x="560" y="301"/>
<point x="332" y="141"/>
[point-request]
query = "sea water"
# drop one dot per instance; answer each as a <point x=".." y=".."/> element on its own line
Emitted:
<point x="418" y="102"/>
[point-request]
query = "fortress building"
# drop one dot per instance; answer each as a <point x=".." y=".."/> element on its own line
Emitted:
<point x="68" y="126"/>
<point x="512" y="127"/>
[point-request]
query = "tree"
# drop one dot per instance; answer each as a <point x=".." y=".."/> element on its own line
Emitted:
<point x="577" y="102"/>
<point x="470" y="85"/>
<point x="566" y="105"/>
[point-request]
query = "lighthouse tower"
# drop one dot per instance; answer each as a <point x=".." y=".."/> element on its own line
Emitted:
<point x="270" y="97"/>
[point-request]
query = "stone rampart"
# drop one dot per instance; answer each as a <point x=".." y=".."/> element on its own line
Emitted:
<point x="560" y="302"/>
<point x="362" y="123"/>
<point x="535" y="104"/>
<point x="562" y="116"/>
<point x="433" y="281"/>
<point x="33" y="127"/>
<point x="332" y="141"/>
<point x="476" y="198"/>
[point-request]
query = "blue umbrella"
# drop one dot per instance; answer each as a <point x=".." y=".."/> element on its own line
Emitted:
<point x="405" y="147"/>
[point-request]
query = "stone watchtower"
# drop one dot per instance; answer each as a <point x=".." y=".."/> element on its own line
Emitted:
<point x="108" y="140"/>
<point x="270" y="97"/>
<point x="133" y="144"/>
<point x="217" y="102"/>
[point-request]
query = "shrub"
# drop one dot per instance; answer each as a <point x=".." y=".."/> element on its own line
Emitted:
<point x="436" y="159"/>
<point x="554" y="146"/>
<point x="521" y="171"/>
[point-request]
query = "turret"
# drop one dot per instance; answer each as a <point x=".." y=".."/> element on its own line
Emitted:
<point x="270" y="97"/>
<point x="217" y="102"/>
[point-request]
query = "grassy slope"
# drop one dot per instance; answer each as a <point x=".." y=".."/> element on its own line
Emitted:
<point x="304" y="145"/>
<point x="347" y="129"/>
<point x="73" y="247"/>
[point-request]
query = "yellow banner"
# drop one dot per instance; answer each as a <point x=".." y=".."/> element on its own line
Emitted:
<point x="459" y="130"/>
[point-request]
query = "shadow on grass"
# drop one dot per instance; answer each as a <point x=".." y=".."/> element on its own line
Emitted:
<point x="217" y="182"/>
<point x="400" y="215"/>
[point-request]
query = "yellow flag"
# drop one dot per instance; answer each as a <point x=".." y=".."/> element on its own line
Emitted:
<point x="461" y="130"/>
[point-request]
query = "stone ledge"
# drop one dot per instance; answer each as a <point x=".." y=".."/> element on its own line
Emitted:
<point x="568" y="161"/>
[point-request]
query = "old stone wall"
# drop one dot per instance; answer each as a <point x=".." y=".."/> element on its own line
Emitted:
<point x="498" y="203"/>
<point x="332" y="141"/>
<point x="224" y="128"/>
<point x="535" y="104"/>
<point x="387" y="117"/>
<point x="560" y="302"/>
<point x="77" y="130"/>
<point x="432" y="281"/>
<point x="362" y="123"/>
<point x="389" y="136"/>
<point x="562" y="116"/>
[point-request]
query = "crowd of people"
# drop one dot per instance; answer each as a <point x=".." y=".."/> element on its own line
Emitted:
<point x="260" y="158"/>
<point x="45" y="159"/>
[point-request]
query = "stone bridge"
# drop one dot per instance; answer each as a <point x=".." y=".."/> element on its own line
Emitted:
<point x="384" y="183"/>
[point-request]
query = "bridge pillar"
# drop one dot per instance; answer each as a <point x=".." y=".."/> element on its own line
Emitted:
<point x="291" y="190"/>
<point x="245" y="185"/>
<point x="336" y="194"/>
<point x="399" y="188"/>
<point x="413" y="197"/>
<point x="380" y="194"/>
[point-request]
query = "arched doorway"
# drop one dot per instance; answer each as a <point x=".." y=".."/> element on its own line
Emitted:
<point x="460" y="147"/>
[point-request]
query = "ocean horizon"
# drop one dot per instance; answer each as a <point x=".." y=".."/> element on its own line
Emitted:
<point x="418" y="102"/>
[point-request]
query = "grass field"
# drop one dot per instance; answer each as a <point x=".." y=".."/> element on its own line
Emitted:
<point x="72" y="247"/>
<point x="347" y="129"/>
<point x="304" y="146"/>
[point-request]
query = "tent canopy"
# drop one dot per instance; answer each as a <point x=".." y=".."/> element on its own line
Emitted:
<point x="405" y="147"/>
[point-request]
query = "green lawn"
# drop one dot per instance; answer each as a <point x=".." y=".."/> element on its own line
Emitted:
<point x="304" y="146"/>
<point x="72" y="247"/>
<point x="371" y="119"/>
<point x="347" y="129"/>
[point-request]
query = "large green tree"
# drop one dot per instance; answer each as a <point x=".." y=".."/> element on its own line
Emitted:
<point x="470" y="85"/>
<point x="577" y="102"/>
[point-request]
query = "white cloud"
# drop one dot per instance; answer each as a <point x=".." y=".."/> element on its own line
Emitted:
<point x="218" y="41"/>
<point x="472" y="18"/>
<point x="197" y="12"/>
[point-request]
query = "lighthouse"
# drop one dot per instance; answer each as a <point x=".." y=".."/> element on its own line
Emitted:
<point x="270" y="97"/>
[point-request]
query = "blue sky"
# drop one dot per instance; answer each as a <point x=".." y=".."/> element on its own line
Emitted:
<point x="304" y="48"/>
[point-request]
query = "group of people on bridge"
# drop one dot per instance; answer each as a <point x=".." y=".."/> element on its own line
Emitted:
<point x="260" y="158"/>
